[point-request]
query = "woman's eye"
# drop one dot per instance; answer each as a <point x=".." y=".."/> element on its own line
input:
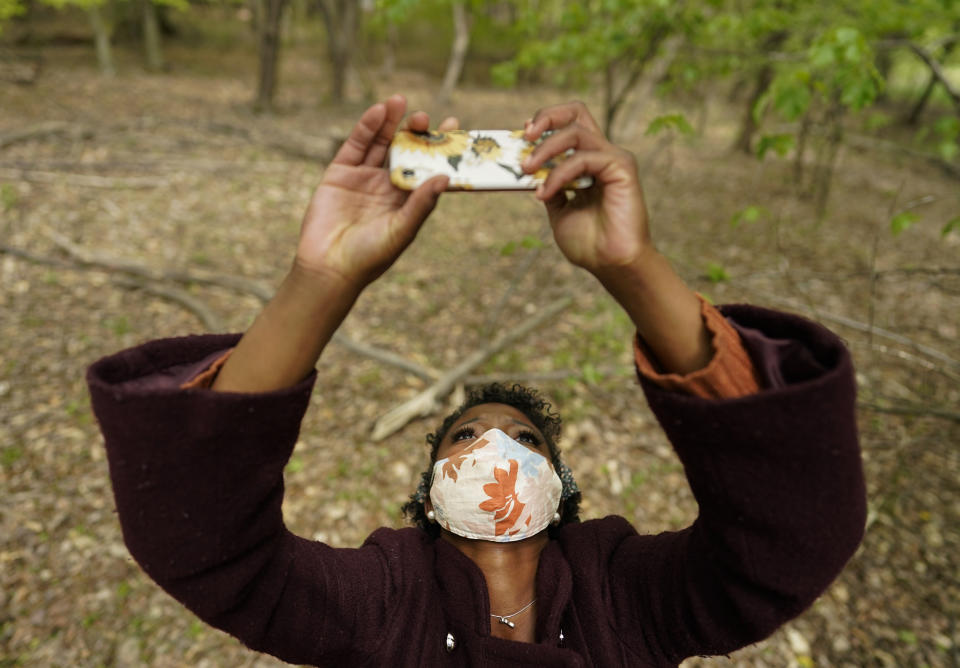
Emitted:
<point x="528" y="437"/>
<point x="462" y="434"/>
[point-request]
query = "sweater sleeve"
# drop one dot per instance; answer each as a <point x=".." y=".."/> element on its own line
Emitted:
<point x="779" y="484"/>
<point x="198" y="484"/>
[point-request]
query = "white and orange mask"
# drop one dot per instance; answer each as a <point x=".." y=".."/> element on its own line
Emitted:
<point x="495" y="489"/>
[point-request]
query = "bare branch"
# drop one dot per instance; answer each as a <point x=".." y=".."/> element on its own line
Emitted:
<point x="866" y="328"/>
<point x="385" y="356"/>
<point x="427" y="401"/>
<point x="210" y="320"/>
<point x="937" y="71"/>
<point x="82" y="180"/>
<point x="88" y="259"/>
<point x="910" y="409"/>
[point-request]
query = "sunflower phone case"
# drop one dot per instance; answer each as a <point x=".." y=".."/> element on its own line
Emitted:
<point x="473" y="159"/>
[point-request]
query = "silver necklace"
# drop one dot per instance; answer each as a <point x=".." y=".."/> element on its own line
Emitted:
<point x="505" y="619"/>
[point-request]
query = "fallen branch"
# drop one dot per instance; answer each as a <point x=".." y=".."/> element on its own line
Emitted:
<point x="427" y="401"/>
<point x="210" y="320"/>
<point x="94" y="259"/>
<point x="873" y="330"/>
<point x="81" y="180"/>
<point x="540" y="376"/>
<point x="910" y="409"/>
<point x="87" y="259"/>
<point x="385" y="356"/>
<point x="39" y="130"/>
<point x="295" y="144"/>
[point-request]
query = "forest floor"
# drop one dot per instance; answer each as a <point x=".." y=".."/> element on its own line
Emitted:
<point x="174" y="173"/>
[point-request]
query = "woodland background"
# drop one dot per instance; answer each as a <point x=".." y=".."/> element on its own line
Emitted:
<point x="156" y="157"/>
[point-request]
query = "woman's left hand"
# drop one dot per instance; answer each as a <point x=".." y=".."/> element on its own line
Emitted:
<point x="602" y="228"/>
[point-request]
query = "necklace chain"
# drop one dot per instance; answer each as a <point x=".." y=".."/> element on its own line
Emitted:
<point x="505" y="619"/>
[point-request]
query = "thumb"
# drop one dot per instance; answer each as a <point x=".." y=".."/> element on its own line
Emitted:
<point x="421" y="202"/>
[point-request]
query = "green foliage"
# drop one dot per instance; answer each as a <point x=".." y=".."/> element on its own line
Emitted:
<point x="10" y="9"/>
<point x="528" y="242"/>
<point x="750" y="214"/>
<point x="781" y="144"/>
<point x="953" y="225"/>
<point x="902" y="222"/>
<point x="8" y="194"/>
<point x="716" y="273"/>
<point x="677" y="122"/>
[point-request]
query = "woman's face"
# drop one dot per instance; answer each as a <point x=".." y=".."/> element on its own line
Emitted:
<point x="482" y="417"/>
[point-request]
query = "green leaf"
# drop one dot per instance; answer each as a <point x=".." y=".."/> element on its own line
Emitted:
<point x="716" y="273"/>
<point x="509" y="248"/>
<point x="750" y="214"/>
<point x="781" y="144"/>
<point x="295" y="465"/>
<point x="902" y="221"/>
<point x="950" y="227"/>
<point x="676" y="122"/>
<point x="530" y="242"/>
<point x="948" y="150"/>
<point x="590" y="374"/>
<point x="907" y="636"/>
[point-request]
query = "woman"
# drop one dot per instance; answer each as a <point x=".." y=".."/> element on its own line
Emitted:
<point x="758" y="405"/>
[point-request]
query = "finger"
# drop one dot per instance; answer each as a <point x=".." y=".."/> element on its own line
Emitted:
<point x="560" y="116"/>
<point x="377" y="153"/>
<point x="419" y="121"/>
<point x="420" y="203"/>
<point x="448" y="124"/>
<point x="573" y="136"/>
<point x="355" y="148"/>
<point x="605" y="168"/>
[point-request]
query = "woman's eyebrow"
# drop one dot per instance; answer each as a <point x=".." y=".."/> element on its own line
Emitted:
<point x="524" y="424"/>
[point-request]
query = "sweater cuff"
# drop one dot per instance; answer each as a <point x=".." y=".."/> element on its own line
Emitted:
<point x="729" y="374"/>
<point x="205" y="378"/>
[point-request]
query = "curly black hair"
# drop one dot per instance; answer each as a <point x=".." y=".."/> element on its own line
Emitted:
<point x="529" y="402"/>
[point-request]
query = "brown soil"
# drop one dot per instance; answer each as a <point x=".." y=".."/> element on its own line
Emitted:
<point x="69" y="593"/>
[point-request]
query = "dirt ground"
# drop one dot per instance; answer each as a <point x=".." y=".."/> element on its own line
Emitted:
<point x="173" y="173"/>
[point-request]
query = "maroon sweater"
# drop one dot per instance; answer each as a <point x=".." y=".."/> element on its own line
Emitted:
<point x="198" y="481"/>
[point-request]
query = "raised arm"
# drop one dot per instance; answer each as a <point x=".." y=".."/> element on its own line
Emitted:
<point x="604" y="230"/>
<point x="356" y="226"/>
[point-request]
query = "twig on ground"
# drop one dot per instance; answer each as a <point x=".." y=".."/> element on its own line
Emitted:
<point x="864" y="327"/>
<point x="40" y="130"/>
<point x="539" y="376"/>
<point x="82" y="180"/>
<point x="427" y="401"/>
<point x="211" y="321"/>
<point x="385" y="356"/>
<point x="87" y="259"/>
<point x="910" y="409"/>
<point x="494" y="314"/>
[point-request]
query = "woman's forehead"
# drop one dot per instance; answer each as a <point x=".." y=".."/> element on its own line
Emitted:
<point x="494" y="411"/>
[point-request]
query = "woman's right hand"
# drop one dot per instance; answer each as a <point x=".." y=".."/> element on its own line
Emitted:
<point x="358" y="223"/>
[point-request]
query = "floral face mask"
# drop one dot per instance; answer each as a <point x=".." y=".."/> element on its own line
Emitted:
<point x="495" y="489"/>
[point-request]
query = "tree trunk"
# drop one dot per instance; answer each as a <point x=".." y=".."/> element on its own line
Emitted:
<point x="151" y="36"/>
<point x="341" y="20"/>
<point x="748" y="127"/>
<point x="458" y="54"/>
<point x="269" y="25"/>
<point x="101" y="38"/>
<point x="390" y="51"/>
<point x="744" y="141"/>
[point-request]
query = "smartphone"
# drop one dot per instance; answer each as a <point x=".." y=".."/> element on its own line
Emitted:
<point x="475" y="160"/>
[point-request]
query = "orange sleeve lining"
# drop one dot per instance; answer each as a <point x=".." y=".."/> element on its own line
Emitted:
<point x="729" y="374"/>
<point x="205" y="379"/>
